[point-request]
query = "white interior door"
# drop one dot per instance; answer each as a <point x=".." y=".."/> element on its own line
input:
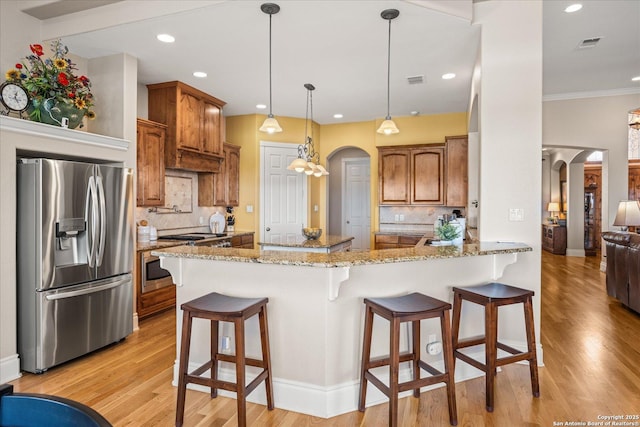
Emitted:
<point x="356" y="203"/>
<point x="283" y="194"/>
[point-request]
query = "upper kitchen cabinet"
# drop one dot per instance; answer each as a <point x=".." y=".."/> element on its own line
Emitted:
<point x="195" y="132"/>
<point x="226" y="183"/>
<point x="427" y="174"/>
<point x="457" y="170"/>
<point x="150" y="164"/>
<point x="411" y="175"/>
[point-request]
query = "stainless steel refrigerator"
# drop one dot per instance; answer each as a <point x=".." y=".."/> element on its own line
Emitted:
<point x="74" y="253"/>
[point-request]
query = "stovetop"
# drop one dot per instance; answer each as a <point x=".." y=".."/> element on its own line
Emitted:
<point x="191" y="236"/>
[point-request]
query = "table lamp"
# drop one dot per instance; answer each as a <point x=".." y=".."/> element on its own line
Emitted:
<point x="554" y="207"/>
<point x="628" y="214"/>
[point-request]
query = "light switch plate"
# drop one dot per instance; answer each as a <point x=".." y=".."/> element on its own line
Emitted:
<point x="516" y="214"/>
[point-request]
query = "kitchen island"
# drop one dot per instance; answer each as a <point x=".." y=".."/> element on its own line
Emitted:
<point x="316" y="310"/>
<point x="323" y="244"/>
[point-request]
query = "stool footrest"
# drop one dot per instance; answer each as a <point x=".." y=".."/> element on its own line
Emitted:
<point x="422" y="382"/>
<point x="385" y="360"/>
<point x="433" y="371"/>
<point x="508" y="349"/>
<point x="201" y="369"/>
<point x="256" y="381"/>
<point x="470" y="342"/>
<point x="375" y="381"/>
<point x="470" y="361"/>
<point x="208" y="382"/>
<point x="247" y="361"/>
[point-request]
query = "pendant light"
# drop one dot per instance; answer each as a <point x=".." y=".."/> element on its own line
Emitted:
<point x="308" y="160"/>
<point x="388" y="127"/>
<point x="270" y="124"/>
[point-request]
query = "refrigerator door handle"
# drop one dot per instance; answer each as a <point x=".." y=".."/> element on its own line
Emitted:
<point x="90" y="218"/>
<point x="103" y="221"/>
<point x="90" y="290"/>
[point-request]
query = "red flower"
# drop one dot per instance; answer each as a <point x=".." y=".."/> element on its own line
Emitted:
<point x="62" y="79"/>
<point x="71" y="95"/>
<point x="37" y="49"/>
<point x="19" y="66"/>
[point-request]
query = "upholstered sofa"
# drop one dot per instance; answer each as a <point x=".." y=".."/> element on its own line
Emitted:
<point x="623" y="267"/>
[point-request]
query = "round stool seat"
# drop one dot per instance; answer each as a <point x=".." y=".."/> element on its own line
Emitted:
<point x="494" y="290"/>
<point x="223" y="304"/>
<point x="408" y="304"/>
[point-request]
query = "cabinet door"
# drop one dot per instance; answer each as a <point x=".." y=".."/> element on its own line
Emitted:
<point x="189" y="122"/>
<point x="232" y="169"/>
<point x="457" y="171"/>
<point x="393" y="172"/>
<point x="211" y="130"/>
<point x="427" y="174"/>
<point x="150" y="164"/>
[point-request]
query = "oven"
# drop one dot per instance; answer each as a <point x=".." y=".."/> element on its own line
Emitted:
<point x="152" y="275"/>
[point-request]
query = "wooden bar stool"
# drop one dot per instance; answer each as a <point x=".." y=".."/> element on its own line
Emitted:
<point x="409" y="308"/>
<point x="492" y="296"/>
<point x="222" y="308"/>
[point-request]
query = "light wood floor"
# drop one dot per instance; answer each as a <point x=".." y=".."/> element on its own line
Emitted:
<point x="591" y="353"/>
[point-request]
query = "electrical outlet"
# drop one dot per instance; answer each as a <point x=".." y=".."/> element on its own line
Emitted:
<point x="401" y="217"/>
<point x="397" y="217"/>
<point x="249" y="208"/>
<point x="434" y="348"/>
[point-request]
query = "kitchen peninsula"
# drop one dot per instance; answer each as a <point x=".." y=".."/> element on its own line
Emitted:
<point x="316" y="313"/>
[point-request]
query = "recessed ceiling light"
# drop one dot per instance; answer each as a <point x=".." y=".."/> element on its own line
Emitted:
<point x="573" y="8"/>
<point x="166" y="38"/>
<point x="448" y="76"/>
<point x="200" y="74"/>
<point x="415" y="113"/>
<point x="636" y="79"/>
<point x="338" y="116"/>
<point x="261" y="106"/>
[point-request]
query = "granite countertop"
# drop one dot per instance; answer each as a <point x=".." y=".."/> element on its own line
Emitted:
<point x="343" y="259"/>
<point x="161" y="244"/>
<point x="322" y="242"/>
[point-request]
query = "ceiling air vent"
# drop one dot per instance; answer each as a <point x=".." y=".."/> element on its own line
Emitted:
<point x="415" y="80"/>
<point x="589" y="43"/>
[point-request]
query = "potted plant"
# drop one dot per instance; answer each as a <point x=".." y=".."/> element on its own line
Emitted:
<point x="447" y="233"/>
<point x="54" y="90"/>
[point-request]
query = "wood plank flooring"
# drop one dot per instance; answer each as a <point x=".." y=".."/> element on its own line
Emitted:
<point x="591" y="352"/>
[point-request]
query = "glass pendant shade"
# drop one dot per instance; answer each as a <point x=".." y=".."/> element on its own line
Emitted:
<point x="388" y="127"/>
<point x="298" y="165"/>
<point x="270" y="125"/>
<point x="310" y="167"/>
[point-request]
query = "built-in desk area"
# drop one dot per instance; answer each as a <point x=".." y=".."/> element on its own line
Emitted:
<point x="316" y="310"/>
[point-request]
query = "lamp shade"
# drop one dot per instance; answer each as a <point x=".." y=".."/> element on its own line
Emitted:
<point x="270" y="125"/>
<point x="628" y="213"/>
<point x="388" y="127"/>
<point x="553" y="207"/>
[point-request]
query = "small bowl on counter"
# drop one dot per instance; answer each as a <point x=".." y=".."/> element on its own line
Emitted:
<point x="311" y="233"/>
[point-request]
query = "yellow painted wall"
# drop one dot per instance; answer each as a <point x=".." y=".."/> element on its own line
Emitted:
<point x="243" y="131"/>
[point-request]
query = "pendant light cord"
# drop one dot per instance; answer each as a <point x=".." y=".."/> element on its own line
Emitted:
<point x="388" y="70"/>
<point x="270" y="90"/>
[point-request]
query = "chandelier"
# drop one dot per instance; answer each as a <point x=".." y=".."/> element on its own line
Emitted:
<point x="308" y="160"/>
<point x="635" y="119"/>
<point x="388" y="127"/>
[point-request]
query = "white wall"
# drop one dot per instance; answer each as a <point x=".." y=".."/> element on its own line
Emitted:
<point x="510" y="125"/>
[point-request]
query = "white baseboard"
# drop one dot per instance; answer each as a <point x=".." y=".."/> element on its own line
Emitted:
<point x="327" y="402"/>
<point x="10" y="368"/>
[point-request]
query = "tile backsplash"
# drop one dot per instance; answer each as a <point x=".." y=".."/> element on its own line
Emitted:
<point x="181" y="213"/>
<point x="412" y="218"/>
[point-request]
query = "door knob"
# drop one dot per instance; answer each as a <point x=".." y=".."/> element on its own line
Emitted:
<point x="348" y="222"/>
<point x="268" y="228"/>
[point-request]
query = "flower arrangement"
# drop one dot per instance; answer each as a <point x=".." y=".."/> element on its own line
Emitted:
<point x="52" y="78"/>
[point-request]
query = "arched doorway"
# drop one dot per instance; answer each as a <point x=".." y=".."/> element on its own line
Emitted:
<point x="349" y="195"/>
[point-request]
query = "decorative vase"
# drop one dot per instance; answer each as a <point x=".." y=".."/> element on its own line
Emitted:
<point x="55" y="113"/>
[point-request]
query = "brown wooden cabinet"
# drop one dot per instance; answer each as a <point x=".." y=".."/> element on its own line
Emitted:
<point x="457" y="177"/>
<point x="411" y="175"/>
<point x="554" y="238"/>
<point x="243" y="241"/>
<point x="426" y="174"/>
<point x="226" y="184"/>
<point x="195" y="132"/>
<point x="393" y="241"/>
<point x="152" y="302"/>
<point x="150" y="163"/>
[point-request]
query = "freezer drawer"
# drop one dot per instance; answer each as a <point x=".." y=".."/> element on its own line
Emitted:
<point x="75" y="320"/>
